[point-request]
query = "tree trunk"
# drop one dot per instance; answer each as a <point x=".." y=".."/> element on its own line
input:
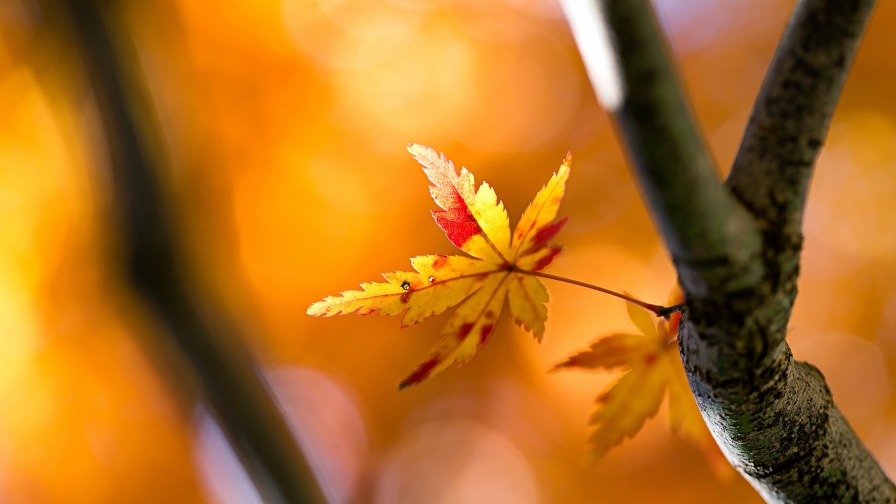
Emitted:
<point x="736" y="246"/>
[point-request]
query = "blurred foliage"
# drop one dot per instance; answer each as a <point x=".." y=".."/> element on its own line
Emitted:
<point x="286" y="123"/>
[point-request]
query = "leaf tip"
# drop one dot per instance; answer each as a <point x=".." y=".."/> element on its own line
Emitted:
<point x="316" y="309"/>
<point x="562" y="366"/>
<point x="563" y="173"/>
<point x="596" y="453"/>
<point x="421" y="373"/>
<point x="405" y="322"/>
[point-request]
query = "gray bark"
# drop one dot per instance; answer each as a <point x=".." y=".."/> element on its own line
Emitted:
<point x="736" y="246"/>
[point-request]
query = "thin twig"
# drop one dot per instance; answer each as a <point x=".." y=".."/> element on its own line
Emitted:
<point x="658" y="310"/>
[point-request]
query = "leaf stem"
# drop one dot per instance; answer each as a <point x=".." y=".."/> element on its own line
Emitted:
<point x="658" y="310"/>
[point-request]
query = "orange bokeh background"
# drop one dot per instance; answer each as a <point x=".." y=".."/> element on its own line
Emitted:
<point x="285" y="124"/>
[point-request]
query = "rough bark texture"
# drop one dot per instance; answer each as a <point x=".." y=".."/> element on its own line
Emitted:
<point x="220" y="368"/>
<point x="655" y="122"/>
<point x="737" y="246"/>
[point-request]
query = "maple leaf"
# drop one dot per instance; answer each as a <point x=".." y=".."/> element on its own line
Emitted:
<point x="651" y="367"/>
<point x="500" y="267"/>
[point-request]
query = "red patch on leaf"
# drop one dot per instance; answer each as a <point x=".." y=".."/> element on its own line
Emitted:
<point x="544" y="235"/>
<point x="405" y="297"/>
<point x="464" y="331"/>
<point x="548" y="258"/>
<point x="457" y="222"/>
<point x="447" y="191"/>
<point x="420" y="374"/>
<point x="484" y="334"/>
<point x="440" y="262"/>
<point x="650" y="359"/>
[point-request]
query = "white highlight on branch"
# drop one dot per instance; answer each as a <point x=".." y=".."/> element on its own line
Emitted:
<point x="593" y="37"/>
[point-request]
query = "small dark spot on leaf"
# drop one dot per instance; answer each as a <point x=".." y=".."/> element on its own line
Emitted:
<point x="432" y="279"/>
<point x="406" y="285"/>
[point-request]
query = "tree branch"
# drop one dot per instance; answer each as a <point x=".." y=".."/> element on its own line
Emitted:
<point x="738" y="257"/>
<point x="627" y="59"/>
<point x="229" y="380"/>
<point x="790" y="119"/>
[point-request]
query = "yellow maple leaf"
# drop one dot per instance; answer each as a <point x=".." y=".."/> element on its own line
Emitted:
<point x="500" y="267"/>
<point x="651" y="367"/>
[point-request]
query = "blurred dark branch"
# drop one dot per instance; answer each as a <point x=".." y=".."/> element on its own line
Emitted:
<point x="791" y="116"/>
<point x="737" y="254"/>
<point x="228" y="378"/>
<point x="704" y="227"/>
